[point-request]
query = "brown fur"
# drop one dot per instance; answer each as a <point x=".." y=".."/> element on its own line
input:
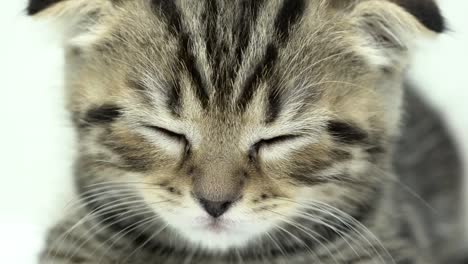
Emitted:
<point x="216" y="105"/>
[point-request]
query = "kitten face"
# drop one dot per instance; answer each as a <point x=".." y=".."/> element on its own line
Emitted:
<point x="231" y="118"/>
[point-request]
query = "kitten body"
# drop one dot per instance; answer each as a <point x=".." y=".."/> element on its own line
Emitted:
<point x="249" y="132"/>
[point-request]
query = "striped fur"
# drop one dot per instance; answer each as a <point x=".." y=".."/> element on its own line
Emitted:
<point x="284" y="112"/>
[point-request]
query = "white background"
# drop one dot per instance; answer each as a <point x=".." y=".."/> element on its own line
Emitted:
<point x="36" y="140"/>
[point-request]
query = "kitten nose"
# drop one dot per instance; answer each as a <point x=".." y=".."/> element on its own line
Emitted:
<point x="215" y="209"/>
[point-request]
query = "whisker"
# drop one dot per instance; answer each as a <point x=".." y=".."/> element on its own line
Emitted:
<point x="132" y="212"/>
<point x="116" y="183"/>
<point x="116" y="237"/>
<point x="280" y="248"/>
<point x="299" y="240"/>
<point x="147" y="241"/>
<point x="394" y="178"/>
<point x="85" y="201"/>
<point x="313" y="205"/>
<point x="239" y="257"/>
<point x="342" y="234"/>
<point x="96" y="228"/>
<point x="308" y="231"/>
<point x="189" y="258"/>
<point x="358" y="225"/>
<point x="115" y="205"/>
<point x="101" y="225"/>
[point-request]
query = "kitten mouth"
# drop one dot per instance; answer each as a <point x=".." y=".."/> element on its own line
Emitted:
<point x="217" y="226"/>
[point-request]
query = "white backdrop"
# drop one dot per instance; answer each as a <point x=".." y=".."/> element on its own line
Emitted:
<point x="36" y="141"/>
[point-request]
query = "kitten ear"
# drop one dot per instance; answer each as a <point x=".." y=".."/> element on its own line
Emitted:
<point x="426" y="11"/>
<point x="58" y="8"/>
<point x="36" y="6"/>
<point x="389" y="28"/>
<point x="75" y="18"/>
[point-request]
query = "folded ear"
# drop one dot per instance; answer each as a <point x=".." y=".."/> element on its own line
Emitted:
<point x="76" y="18"/>
<point x="62" y="7"/>
<point x="36" y="6"/>
<point x="388" y="28"/>
<point x="426" y="11"/>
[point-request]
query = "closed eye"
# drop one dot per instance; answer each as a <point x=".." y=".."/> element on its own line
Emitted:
<point x="277" y="140"/>
<point x="168" y="133"/>
<point x="253" y="152"/>
<point x="175" y="136"/>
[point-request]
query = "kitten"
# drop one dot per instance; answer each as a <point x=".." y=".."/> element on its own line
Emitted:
<point x="249" y="131"/>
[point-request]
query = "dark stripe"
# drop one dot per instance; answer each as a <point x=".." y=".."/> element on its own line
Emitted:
<point x="211" y="17"/>
<point x="307" y="180"/>
<point x="288" y="16"/>
<point x="137" y="85"/>
<point x="311" y="179"/>
<point x="174" y="102"/>
<point x="273" y="106"/>
<point x="247" y="20"/>
<point x="308" y="171"/>
<point x="168" y="9"/>
<point x="340" y="155"/>
<point x="220" y="50"/>
<point x="262" y="70"/>
<point x="345" y="132"/>
<point x="134" y="156"/>
<point x="171" y="12"/>
<point x="189" y="62"/>
<point x="102" y="115"/>
<point x="36" y="6"/>
<point x="142" y="90"/>
<point x="305" y="172"/>
<point x="216" y="50"/>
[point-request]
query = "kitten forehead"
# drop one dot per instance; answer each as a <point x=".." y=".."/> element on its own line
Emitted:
<point x="222" y="55"/>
